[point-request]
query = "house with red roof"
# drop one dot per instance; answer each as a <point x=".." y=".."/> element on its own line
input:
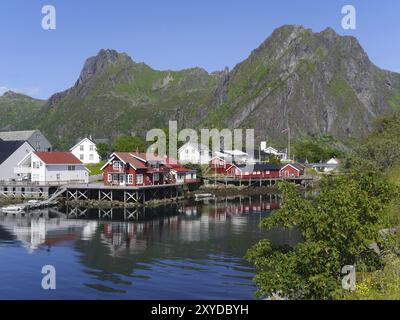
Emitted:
<point x="292" y="170"/>
<point x="53" y="168"/>
<point x="143" y="169"/>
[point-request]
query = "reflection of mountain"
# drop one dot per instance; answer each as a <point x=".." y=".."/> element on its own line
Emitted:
<point x="38" y="231"/>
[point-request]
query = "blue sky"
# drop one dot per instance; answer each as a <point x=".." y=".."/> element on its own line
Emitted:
<point x="170" y="34"/>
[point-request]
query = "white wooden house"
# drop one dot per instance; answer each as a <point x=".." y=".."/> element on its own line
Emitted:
<point x="196" y="153"/>
<point x="53" y="168"/>
<point x="85" y="151"/>
<point x="12" y="152"/>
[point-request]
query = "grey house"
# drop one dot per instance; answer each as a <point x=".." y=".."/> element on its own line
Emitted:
<point x="11" y="153"/>
<point x="34" y="137"/>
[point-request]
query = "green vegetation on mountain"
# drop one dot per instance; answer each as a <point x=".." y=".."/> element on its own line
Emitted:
<point x="316" y="83"/>
<point x="16" y="111"/>
<point x="128" y="144"/>
<point x="315" y="149"/>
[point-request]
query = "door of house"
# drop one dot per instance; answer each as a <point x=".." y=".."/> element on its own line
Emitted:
<point x="121" y="179"/>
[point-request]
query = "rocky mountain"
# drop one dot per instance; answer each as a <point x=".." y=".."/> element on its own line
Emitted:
<point x="316" y="83"/>
<point x="17" y="111"/>
<point x="114" y="95"/>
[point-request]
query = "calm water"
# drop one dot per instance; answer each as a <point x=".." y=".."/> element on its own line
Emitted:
<point x="191" y="251"/>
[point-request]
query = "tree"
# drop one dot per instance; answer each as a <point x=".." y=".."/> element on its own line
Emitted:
<point x="103" y="150"/>
<point x="337" y="227"/>
<point x="128" y="144"/>
<point x="274" y="160"/>
<point x="315" y="150"/>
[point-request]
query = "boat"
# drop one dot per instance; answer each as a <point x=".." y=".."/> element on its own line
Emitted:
<point x="203" y="195"/>
<point x="33" y="201"/>
<point x="12" y="209"/>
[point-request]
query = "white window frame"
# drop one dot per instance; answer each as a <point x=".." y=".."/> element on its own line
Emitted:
<point x="109" y="177"/>
<point x="139" y="178"/>
<point x="130" y="179"/>
<point x="117" y="165"/>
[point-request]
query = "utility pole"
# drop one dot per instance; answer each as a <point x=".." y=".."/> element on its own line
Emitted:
<point x="289" y="143"/>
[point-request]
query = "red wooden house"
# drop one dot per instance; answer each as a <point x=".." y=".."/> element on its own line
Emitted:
<point x="143" y="169"/>
<point x="135" y="169"/>
<point x="218" y="165"/>
<point x="291" y="170"/>
<point x="258" y="170"/>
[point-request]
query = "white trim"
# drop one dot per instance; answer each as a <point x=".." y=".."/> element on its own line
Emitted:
<point x="114" y="155"/>
<point x="139" y="158"/>
<point x="289" y="164"/>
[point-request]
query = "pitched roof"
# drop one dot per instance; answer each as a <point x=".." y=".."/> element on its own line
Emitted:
<point x="7" y="148"/>
<point x="16" y="135"/>
<point x="57" y="157"/>
<point x="296" y="165"/>
<point x="80" y="142"/>
<point x="197" y="146"/>
<point x="127" y="157"/>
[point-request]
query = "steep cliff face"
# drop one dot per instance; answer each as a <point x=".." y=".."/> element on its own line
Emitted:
<point x="114" y="95"/>
<point x="316" y="83"/>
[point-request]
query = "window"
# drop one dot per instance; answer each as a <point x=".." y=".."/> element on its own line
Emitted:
<point x="91" y="157"/>
<point x="71" y="168"/>
<point x="130" y="178"/>
<point x="117" y="165"/>
<point x="109" y="177"/>
<point x="81" y="156"/>
<point x="91" y="147"/>
<point x="81" y="147"/>
<point x="156" y="177"/>
<point x="35" y="177"/>
<point x="139" y="179"/>
<point x="58" y="176"/>
<point x="35" y="165"/>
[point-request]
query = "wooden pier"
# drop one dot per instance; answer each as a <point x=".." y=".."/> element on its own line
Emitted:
<point x="259" y="182"/>
<point x="135" y="195"/>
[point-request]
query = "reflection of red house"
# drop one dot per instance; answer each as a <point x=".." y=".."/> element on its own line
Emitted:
<point x="232" y="209"/>
<point x="292" y="170"/>
<point x="218" y="165"/>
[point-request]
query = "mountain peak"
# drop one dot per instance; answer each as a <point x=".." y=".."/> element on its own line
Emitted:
<point x="10" y="94"/>
<point x="103" y="59"/>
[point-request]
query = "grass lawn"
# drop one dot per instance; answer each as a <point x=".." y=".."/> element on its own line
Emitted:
<point x="95" y="168"/>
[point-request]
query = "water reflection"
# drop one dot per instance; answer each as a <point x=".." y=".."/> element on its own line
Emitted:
<point x="196" y="247"/>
